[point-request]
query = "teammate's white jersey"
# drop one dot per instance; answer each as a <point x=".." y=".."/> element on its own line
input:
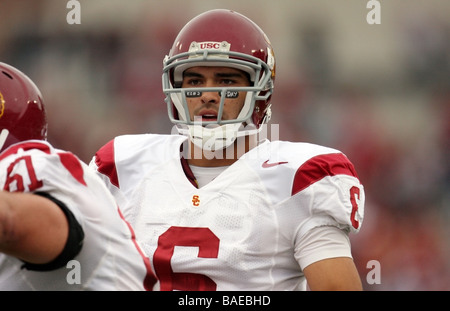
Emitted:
<point x="110" y="258"/>
<point x="241" y="231"/>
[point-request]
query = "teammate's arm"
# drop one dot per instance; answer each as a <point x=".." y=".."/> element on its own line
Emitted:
<point x="32" y="228"/>
<point x="338" y="273"/>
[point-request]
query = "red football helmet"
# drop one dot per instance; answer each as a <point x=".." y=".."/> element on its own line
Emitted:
<point x="220" y="38"/>
<point x="22" y="111"/>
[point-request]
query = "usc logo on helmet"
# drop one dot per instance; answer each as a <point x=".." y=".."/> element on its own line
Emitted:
<point x="195" y="200"/>
<point x="209" y="45"/>
<point x="2" y="105"/>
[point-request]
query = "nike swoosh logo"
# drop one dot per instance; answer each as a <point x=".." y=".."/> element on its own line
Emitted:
<point x="266" y="164"/>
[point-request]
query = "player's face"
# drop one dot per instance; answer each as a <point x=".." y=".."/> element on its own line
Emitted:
<point x="206" y="106"/>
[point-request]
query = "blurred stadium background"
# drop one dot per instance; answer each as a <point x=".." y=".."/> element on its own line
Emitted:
<point x="380" y="93"/>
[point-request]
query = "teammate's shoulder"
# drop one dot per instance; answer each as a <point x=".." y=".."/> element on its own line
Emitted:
<point x="28" y="146"/>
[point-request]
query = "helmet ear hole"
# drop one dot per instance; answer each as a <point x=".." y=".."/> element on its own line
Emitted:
<point x="7" y="74"/>
<point x="262" y="113"/>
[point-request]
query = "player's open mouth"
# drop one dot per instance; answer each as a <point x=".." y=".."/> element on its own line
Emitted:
<point x="207" y="115"/>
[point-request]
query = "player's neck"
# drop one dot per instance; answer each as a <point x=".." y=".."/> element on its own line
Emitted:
<point x="223" y="157"/>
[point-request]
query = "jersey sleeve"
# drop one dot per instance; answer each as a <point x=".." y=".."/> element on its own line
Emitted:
<point x="328" y="184"/>
<point x="35" y="166"/>
<point x="321" y="243"/>
<point x="103" y="163"/>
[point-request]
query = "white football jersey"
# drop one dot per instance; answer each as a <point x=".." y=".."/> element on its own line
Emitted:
<point x="110" y="258"/>
<point x="241" y="231"/>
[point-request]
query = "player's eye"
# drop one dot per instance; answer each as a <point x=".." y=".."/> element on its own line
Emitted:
<point x="193" y="82"/>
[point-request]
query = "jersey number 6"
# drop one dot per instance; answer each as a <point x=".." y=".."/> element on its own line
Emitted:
<point x="208" y="245"/>
<point x="354" y="192"/>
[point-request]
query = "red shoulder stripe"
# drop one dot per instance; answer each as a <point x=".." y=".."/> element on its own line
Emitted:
<point x="73" y="165"/>
<point x="319" y="167"/>
<point x="104" y="159"/>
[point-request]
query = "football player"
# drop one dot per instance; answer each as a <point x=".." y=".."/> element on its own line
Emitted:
<point x="216" y="204"/>
<point x="60" y="228"/>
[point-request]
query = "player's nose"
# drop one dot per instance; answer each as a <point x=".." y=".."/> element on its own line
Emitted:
<point x="210" y="97"/>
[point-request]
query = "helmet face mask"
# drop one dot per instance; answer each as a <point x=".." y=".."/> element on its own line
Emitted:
<point x="244" y="47"/>
<point x="22" y="111"/>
